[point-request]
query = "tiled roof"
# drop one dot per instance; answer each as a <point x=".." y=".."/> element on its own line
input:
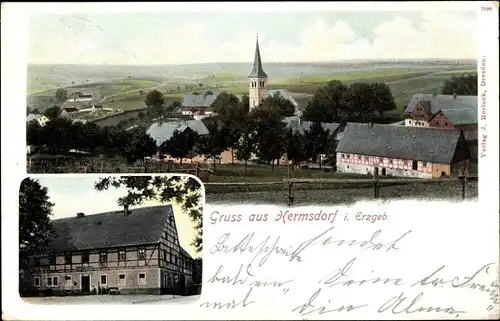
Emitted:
<point x="301" y="126"/>
<point x="404" y="142"/>
<point x="112" y="229"/>
<point x="461" y="116"/>
<point x="435" y="103"/>
<point x="201" y="100"/>
<point x="32" y="117"/>
<point x="163" y="131"/>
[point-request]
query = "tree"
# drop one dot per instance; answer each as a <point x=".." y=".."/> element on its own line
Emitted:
<point x="165" y="189"/>
<point x="361" y="101"/>
<point x="328" y="103"/>
<point x="213" y="144"/>
<point x="209" y="92"/>
<point x="141" y="115"/>
<point x="245" y="147"/>
<point x="297" y="148"/>
<point x="175" y="105"/>
<point x="34" y="134"/>
<point x="57" y="135"/>
<point x="200" y="84"/>
<point x="224" y="103"/>
<point x="460" y="85"/>
<point x="317" y="138"/>
<point x="138" y="145"/>
<point x="61" y="95"/>
<point x="35" y="228"/>
<point x="53" y="112"/>
<point x="384" y="101"/>
<point x="181" y="144"/>
<point x="154" y="98"/>
<point x="282" y="106"/>
<point x="270" y="134"/>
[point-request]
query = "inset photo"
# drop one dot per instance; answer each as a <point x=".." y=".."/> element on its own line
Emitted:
<point x="110" y="238"/>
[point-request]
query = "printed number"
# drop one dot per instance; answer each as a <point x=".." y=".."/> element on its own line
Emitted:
<point x="486" y="9"/>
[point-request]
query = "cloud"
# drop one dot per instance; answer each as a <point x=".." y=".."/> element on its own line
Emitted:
<point x="437" y="35"/>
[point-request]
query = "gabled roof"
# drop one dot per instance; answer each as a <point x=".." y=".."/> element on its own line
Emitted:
<point x="284" y="93"/>
<point x="112" y="229"/>
<point x="257" y="71"/>
<point x="201" y="100"/>
<point x="462" y="116"/>
<point x="32" y="117"/>
<point x="414" y="143"/>
<point x="163" y="131"/>
<point x="296" y="124"/>
<point x="434" y="103"/>
<point x="70" y="109"/>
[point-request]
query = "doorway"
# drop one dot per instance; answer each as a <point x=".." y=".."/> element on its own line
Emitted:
<point x="383" y="172"/>
<point x="86" y="283"/>
<point x="376" y="171"/>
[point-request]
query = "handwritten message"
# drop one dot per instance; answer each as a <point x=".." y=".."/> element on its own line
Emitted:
<point x="402" y="260"/>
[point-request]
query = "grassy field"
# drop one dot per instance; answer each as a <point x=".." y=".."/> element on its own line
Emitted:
<point x="124" y="93"/>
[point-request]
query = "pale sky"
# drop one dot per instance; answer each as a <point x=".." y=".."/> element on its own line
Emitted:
<point x="203" y="37"/>
<point x="75" y="194"/>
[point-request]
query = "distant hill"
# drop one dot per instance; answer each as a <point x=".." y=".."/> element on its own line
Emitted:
<point x="47" y="77"/>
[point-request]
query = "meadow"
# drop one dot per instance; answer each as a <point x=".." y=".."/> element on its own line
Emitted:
<point x="124" y="87"/>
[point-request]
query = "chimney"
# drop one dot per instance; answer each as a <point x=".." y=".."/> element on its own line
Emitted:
<point x="80" y="214"/>
<point x="126" y="211"/>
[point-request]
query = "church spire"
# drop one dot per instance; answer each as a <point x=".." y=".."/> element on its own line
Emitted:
<point x="257" y="71"/>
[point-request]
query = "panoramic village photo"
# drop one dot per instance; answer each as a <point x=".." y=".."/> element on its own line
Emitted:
<point x="88" y="238"/>
<point x="350" y="106"/>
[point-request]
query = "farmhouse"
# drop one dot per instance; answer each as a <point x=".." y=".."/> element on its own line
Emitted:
<point x="258" y="80"/>
<point x="40" y="119"/>
<point x="198" y="103"/>
<point x="402" y="151"/>
<point x="79" y="97"/>
<point x="68" y="111"/>
<point x="132" y="251"/>
<point x="444" y="111"/>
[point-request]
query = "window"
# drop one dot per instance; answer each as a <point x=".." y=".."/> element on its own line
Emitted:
<point x="165" y="234"/>
<point x="348" y="156"/>
<point x="414" y="165"/>
<point x="104" y="279"/>
<point x="445" y="123"/>
<point x="36" y="281"/>
<point x="164" y="255"/>
<point x="55" y="281"/>
<point x="425" y="164"/>
<point x="67" y="277"/>
<point x="121" y="279"/>
<point x="85" y="257"/>
<point x="103" y="257"/>
<point x="142" y="279"/>
<point x="122" y="255"/>
<point x="359" y="156"/>
<point x="49" y="281"/>
<point x="68" y="258"/>
<point x="141" y="255"/>
<point x="52" y="260"/>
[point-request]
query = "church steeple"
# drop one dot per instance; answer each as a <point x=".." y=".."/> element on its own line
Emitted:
<point x="257" y="71"/>
<point x="257" y="90"/>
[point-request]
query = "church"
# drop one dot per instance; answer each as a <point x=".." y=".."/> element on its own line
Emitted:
<point x="258" y="82"/>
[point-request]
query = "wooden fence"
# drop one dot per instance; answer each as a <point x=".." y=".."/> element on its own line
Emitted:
<point x="291" y="187"/>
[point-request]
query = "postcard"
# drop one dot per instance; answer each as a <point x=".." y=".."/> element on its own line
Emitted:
<point x="253" y="160"/>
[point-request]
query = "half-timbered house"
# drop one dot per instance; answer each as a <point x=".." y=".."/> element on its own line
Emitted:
<point x="133" y="251"/>
<point x="375" y="149"/>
